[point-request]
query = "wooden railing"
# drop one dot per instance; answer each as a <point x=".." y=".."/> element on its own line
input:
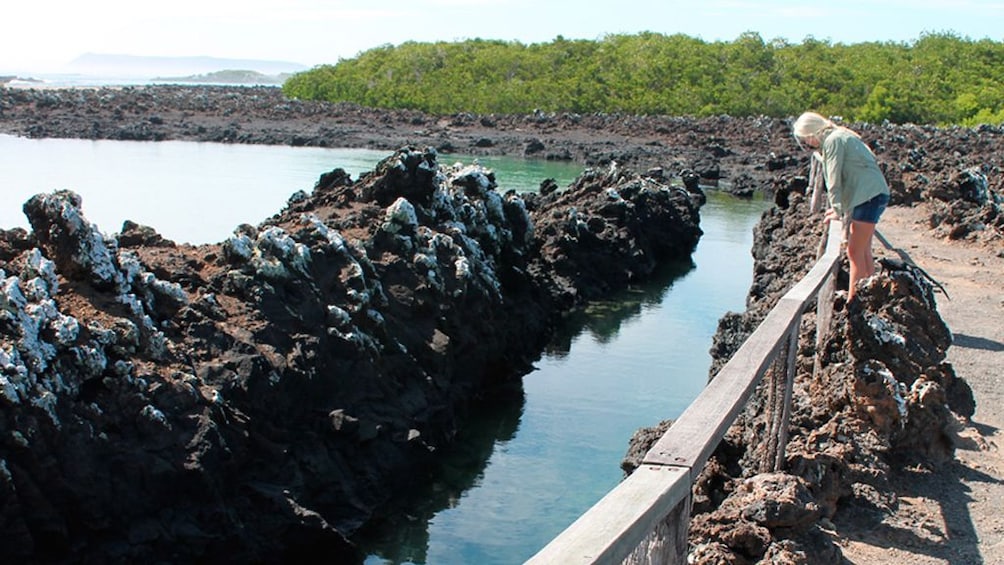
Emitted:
<point x="644" y="519"/>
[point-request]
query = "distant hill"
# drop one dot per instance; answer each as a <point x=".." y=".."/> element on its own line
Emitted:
<point x="143" y="66"/>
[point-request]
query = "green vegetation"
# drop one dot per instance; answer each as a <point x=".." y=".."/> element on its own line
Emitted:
<point x="937" y="79"/>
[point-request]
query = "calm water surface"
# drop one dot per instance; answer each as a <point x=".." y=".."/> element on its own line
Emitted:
<point x="528" y="466"/>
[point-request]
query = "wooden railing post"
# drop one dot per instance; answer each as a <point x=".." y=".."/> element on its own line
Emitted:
<point x="666" y="544"/>
<point x="772" y="414"/>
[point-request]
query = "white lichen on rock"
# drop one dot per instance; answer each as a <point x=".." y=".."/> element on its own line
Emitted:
<point x="65" y="328"/>
<point x="47" y="401"/>
<point x="400" y="216"/>
<point x="13" y="375"/>
<point x="41" y="271"/>
<point x="131" y="268"/>
<point x="92" y="360"/>
<point x="334" y="239"/>
<point x="163" y="290"/>
<point x="462" y="268"/>
<point x="338" y="317"/>
<point x="238" y="246"/>
<point x="276" y="255"/>
<point x="883" y="330"/>
<point x="272" y="253"/>
<point x="896" y="389"/>
<point x="28" y="319"/>
<point x="95" y="254"/>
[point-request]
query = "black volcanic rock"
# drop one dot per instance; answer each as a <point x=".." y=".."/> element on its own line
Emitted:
<point x="268" y="396"/>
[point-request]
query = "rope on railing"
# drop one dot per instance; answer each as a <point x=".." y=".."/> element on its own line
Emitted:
<point x="780" y="385"/>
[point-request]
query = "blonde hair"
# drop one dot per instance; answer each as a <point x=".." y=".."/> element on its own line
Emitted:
<point x="811" y="124"/>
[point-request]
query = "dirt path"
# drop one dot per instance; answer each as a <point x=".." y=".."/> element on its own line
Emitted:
<point x="953" y="513"/>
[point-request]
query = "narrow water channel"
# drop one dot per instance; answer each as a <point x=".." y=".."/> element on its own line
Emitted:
<point x="523" y="471"/>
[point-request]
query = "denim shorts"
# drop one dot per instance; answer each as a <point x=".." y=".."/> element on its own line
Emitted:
<point x="871" y="210"/>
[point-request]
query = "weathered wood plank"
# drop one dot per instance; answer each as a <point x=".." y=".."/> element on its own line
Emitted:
<point x="824" y="315"/>
<point x="824" y="299"/>
<point x="807" y="288"/>
<point x="774" y="391"/>
<point x="611" y="530"/>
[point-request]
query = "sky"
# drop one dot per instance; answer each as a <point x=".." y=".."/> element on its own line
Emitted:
<point x="45" y="36"/>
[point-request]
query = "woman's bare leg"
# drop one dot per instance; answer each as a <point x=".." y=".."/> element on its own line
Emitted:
<point x="859" y="254"/>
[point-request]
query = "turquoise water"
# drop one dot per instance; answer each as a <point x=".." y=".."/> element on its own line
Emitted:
<point x="528" y="466"/>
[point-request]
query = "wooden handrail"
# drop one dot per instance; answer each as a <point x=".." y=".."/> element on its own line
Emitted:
<point x="654" y="501"/>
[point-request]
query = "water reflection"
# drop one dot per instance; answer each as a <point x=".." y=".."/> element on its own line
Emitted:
<point x="603" y="318"/>
<point x="403" y="536"/>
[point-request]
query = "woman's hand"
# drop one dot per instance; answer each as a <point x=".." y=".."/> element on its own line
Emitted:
<point x="831" y="214"/>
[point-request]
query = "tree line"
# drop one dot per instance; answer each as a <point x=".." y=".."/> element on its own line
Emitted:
<point x="940" y="78"/>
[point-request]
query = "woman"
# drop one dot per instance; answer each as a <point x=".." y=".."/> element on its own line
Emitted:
<point x="856" y="190"/>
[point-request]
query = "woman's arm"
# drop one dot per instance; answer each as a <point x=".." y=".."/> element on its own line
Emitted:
<point x="833" y="164"/>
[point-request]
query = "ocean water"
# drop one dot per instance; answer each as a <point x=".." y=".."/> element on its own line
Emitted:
<point x="526" y="467"/>
<point x="72" y="80"/>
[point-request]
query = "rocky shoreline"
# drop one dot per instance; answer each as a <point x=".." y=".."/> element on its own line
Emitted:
<point x="268" y="395"/>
